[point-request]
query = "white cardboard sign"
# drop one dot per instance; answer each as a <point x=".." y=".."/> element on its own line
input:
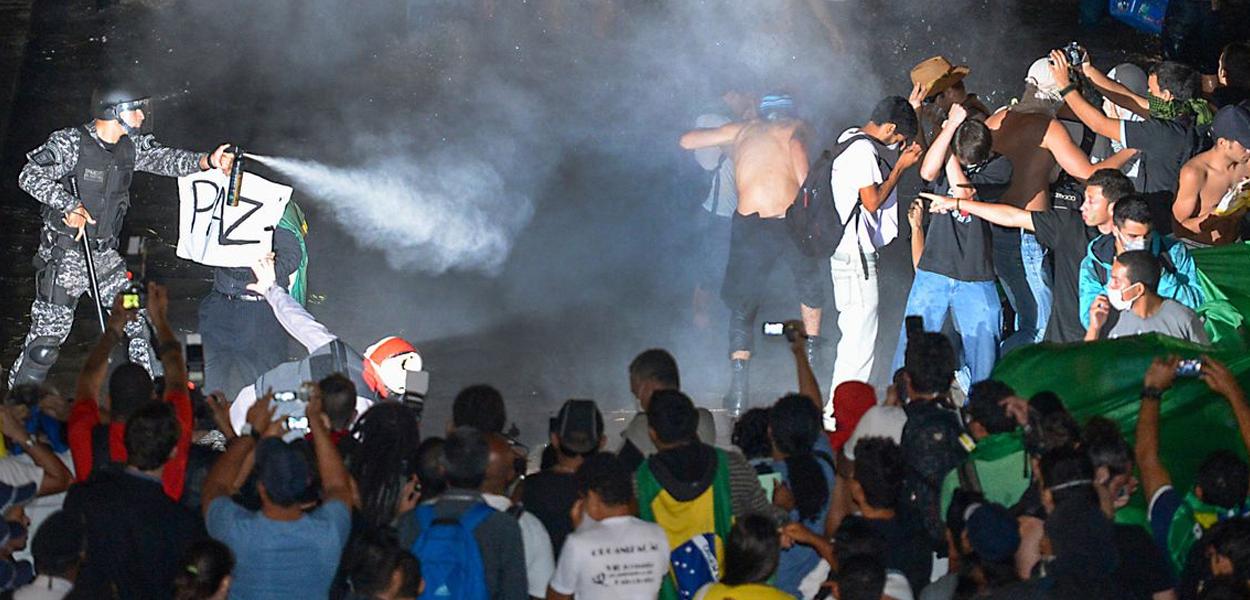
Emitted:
<point x="213" y="233"/>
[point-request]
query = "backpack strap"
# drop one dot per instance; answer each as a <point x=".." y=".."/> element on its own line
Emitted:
<point x="424" y="515"/>
<point x="516" y="510"/>
<point x="475" y="515"/>
<point x="841" y="147"/>
<point x="969" y="481"/>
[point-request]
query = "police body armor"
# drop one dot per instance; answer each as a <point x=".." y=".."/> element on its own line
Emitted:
<point x="334" y="357"/>
<point x="103" y="188"/>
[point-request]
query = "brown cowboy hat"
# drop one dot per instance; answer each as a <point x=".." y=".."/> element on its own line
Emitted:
<point x="936" y="74"/>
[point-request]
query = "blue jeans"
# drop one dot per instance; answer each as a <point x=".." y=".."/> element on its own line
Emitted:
<point x="978" y="317"/>
<point x="1020" y="262"/>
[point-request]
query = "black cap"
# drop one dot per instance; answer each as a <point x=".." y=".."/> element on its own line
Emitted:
<point x="1232" y="123"/>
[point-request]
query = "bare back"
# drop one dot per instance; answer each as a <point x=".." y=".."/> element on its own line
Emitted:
<point x="1019" y="136"/>
<point x="766" y="157"/>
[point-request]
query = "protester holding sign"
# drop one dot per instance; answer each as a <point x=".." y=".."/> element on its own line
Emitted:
<point x="82" y="177"/>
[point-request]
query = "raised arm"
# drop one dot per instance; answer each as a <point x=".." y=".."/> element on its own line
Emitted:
<point x="224" y="474"/>
<point x="335" y="482"/>
<point x="1221" y="381"/>
<point x="95" y="369"/>
<point x="709" y="137"/>
<point x="873" y="196"/>
<point x="807" y="380"/>
<point x="167" y="343"/>
<point x="1159" y="378"/>
<point x="294" y="318"/>
<point x="998" y="214"/>
<point x="1115" y="91"/>
<point x="1086" y="112"/>
<point x="935" y="158"/>
<point x="1072" y="158"/>
<point x="153" y="157"/>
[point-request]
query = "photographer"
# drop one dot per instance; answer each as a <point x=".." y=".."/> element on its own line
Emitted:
<point x="96" y="433"/>
<point x="283" y="549"/>
<point x="1179" y="520"/>
<point x="1165" y="140"/>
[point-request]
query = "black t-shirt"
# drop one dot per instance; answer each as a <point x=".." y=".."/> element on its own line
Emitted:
<point x="958" y="245"/>
<point x="549" y="495"/>
<point x="1143" y="569"/>
<point x="1164" y="146"/>
<point x="1065" y="234"/>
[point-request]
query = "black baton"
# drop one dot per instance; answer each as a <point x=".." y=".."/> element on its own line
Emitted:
<point x="89" y="258"/>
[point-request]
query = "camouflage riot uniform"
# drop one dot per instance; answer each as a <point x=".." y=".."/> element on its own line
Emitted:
<point x="103" y="173"/>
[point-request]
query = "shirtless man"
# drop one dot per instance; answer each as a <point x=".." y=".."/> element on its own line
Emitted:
<point x="1030" y="136"/>
<point x="770" y="164"/>
<point x="1210" y="176"/>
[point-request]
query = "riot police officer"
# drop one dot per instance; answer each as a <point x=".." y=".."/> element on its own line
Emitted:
<point x="101" y="156"/>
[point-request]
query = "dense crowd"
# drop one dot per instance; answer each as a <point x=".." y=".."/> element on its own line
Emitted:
<point x="318" y="477"/>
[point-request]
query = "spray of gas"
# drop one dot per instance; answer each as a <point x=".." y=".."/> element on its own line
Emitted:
<point x="448" y="213"/>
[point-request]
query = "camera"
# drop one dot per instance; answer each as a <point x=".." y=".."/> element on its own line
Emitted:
<point x="1191" y="367"/>
<point x="194" y="354"/>
<point x="134" y="296"/>
<point x="300" y="395"/>
<point x="780" y="328"/>
<point x="1075" y="53"/>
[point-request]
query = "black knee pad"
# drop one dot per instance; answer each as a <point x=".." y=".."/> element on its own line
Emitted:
<point x="38" y="357"/>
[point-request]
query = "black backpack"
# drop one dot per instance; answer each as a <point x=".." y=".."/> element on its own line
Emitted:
<point x="931" y="448"/>
<point x="813" y="219"/>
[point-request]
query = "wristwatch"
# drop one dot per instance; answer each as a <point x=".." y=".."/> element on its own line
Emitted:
<point x="30" y="442"/>
<point x="1152" y="393"/>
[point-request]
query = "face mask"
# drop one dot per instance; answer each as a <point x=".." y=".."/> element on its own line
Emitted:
<point x="1116" y="298"/>
<point x="1134" y="244"/>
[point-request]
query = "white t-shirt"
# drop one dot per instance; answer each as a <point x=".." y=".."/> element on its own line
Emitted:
<point x="20" y="469"/>
<point x="879" y="421"/>
<point x="857" y="167"/>
<point x="540" y="561"/>
<point x="617" y="558"/>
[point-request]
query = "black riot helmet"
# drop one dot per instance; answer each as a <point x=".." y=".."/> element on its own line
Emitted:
<point x="108" y="103"/>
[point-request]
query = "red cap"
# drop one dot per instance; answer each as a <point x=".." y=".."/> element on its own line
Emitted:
<point x="851" y="399"/>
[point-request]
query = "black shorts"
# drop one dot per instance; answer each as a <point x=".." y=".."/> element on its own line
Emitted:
<point x="755" y="246"/>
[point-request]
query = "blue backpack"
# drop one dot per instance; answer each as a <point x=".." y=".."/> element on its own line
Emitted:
<point x="451" y="562"/>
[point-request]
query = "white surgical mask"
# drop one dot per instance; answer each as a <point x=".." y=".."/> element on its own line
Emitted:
<point x="1117" y="300"/>
<point x="1116" y="297"/>
<point x="1134" y="244"/>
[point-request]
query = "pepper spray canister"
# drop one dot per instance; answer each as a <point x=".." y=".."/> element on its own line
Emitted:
<point x="236" y="177"/>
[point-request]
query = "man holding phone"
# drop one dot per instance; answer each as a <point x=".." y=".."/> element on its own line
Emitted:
<point x="1220" y="485"/>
